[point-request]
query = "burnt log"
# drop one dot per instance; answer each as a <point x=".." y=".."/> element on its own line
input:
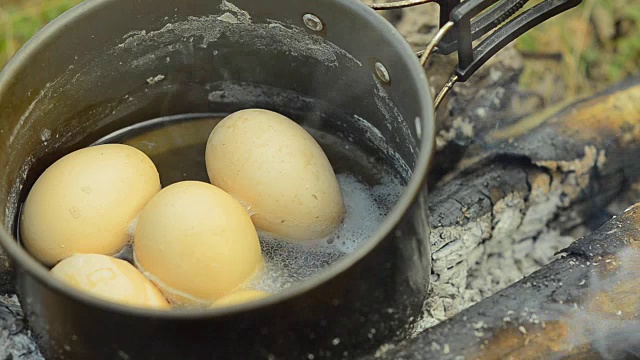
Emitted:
<point x="585" y="305"/>
<point x="507" y="208"/>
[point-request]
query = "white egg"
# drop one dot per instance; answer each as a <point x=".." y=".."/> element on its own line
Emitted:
<point x="197" y="243"/>
<point x="85" y="202"/>
<point x="109" y="279"/>
<point x="275" y="167"/>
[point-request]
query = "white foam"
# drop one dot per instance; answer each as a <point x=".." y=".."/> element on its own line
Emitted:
<point x="290" y="263"/>
<point x="363" y="215"/>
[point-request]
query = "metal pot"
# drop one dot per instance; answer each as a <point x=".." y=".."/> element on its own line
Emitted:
<point x="109" y="64"/>
<point x="86" y="75"/>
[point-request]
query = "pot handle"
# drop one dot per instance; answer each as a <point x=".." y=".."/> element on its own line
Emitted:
<point x="461" y="23"/>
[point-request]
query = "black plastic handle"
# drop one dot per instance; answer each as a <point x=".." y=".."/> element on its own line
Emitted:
<point x="467" y="29"/>
<point x="486" y="22"/>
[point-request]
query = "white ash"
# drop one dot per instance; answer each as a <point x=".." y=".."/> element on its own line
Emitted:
<point x="155" y="79"/>
<point x="15" y="339"/>
<point x="237" y="25"/>
<point x="460" y="125"/>
<point x="45" y="135"/>
<point x="383" y="349"/>
<point x="474" y="261"/>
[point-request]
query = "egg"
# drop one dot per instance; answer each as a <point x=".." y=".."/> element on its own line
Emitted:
<point x="241" y="296"/>
<point x="278" y="171"/>
<point x="109" y="279"/>
<point x="86" y="202"/>
<point x="196" y="243"/>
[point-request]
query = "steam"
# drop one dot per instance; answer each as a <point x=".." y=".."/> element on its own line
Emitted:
<point x="609" y="318"/>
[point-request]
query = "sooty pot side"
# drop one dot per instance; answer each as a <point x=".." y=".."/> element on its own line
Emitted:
<point x="108" y="64"/>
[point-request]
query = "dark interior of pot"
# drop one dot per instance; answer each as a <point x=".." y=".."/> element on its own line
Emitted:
<point x="160" y="75"/>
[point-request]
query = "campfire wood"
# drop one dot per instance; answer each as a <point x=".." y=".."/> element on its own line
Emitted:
<point x="584" y="305"/>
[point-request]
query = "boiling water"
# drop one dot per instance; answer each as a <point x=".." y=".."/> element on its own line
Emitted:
<point x="370" y="188"/>
<point x="366" y="207"/>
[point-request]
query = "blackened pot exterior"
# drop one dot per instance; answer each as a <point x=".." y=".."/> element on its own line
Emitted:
<point x="108" y="64"/>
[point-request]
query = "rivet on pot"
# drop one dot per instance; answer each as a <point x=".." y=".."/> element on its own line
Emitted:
<point x="382" y="72"/>
<point x="313" y="22"/>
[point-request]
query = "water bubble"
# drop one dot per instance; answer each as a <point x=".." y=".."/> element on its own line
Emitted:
<point x="289" y="263"/>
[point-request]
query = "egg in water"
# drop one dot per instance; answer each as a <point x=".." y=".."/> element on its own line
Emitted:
<point x="196" y="243"/>
<point x="86" y="202"/>
<point x="277" y="170"/>
<point x="109" y="279"/>
<point x="370" y="188"/>
<point x="288" y="264"/>
<point x="240" y="297"/>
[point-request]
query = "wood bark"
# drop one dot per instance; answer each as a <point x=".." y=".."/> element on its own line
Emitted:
<point x="510" y="201"/>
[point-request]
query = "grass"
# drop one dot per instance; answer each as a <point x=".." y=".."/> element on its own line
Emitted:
<point x="20" y="20"/>
<point x="598" y="43"/>
<point x="584" y="50"/>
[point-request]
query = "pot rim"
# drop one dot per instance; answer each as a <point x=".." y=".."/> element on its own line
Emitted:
<point x="26" y="262"/>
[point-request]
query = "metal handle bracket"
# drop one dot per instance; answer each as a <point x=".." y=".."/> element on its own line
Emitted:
<point x="471" y="59"/>
<point x="463" y="22"/>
